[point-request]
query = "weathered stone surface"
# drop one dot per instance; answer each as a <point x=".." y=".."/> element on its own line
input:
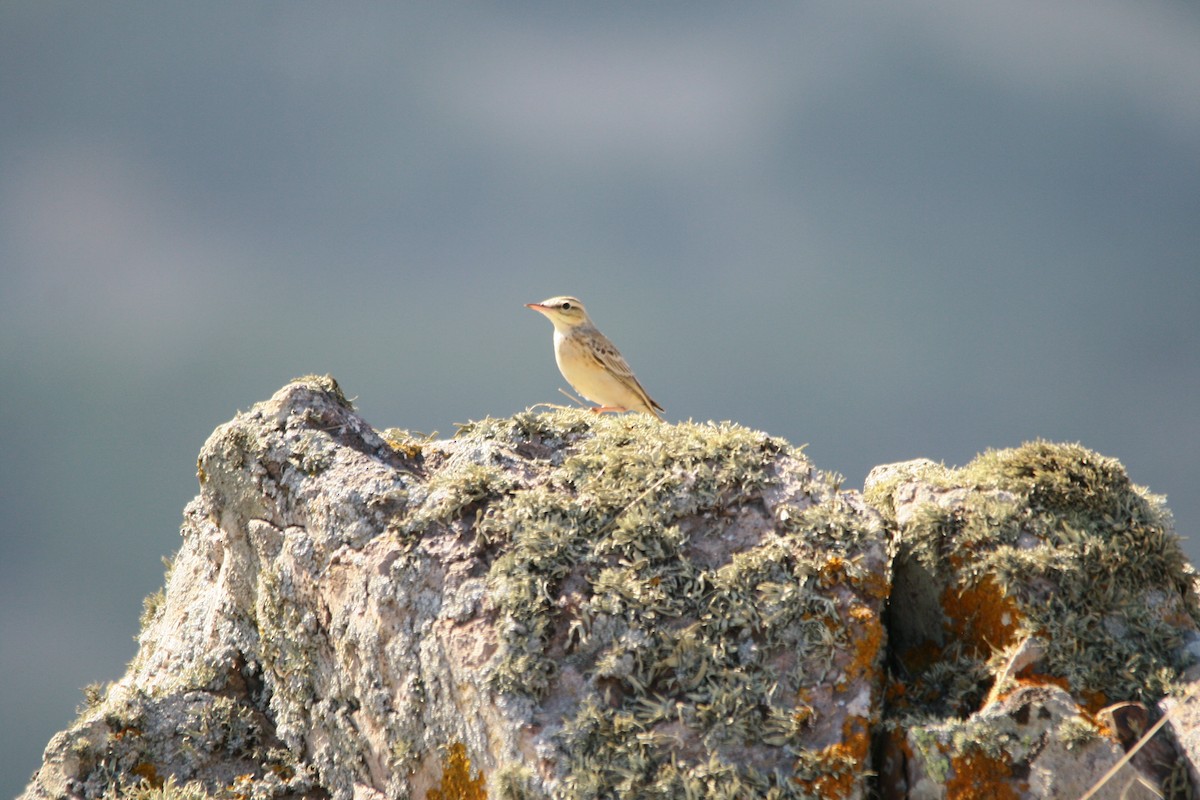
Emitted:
<point x="1182" y="725"/>
<point x="1035" y="742"/>
<point x="556" y="605"/>
<point x="571" y="606"/>
<point x="1032" y="589"/>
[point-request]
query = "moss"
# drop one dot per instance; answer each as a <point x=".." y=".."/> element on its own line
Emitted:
<point x="151" y="605"/>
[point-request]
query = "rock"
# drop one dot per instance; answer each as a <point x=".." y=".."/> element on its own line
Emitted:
<point x="1181" y="717"/>
<point x="1032" y="589"/>
<point x="555" y="605"/>
<point x="1035" y="742"/>
<point x="564" y="605"/>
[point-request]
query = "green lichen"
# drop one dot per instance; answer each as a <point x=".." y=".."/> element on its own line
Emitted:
<point x="313" y="452"/>
<point x="609" y="511"/>
<point x="170" y="789"/>
<point x="153" y="603"/>
<point x="608" y="545"/>
<point x="288" y="646"/>
<point x="1077" y="731"/>
<point x="1044" y="540"/>
<point x="455" y="489"/>
<point x="137" y="745"/>
<point x="93" y="697"/>
<point x="225" y="725"/>
<point x="514" y="782"/>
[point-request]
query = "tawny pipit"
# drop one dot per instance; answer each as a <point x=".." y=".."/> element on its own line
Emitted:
<point x="590" y="362"/>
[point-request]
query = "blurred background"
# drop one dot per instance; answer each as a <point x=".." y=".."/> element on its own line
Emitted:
<point x="885" y="231"/>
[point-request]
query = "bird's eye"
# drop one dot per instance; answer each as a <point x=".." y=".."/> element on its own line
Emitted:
<point x="566" y="306"/>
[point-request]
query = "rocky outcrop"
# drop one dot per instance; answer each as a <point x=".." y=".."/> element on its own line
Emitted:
<point x="1040" y="608"/>
<point x="564" y="605"/>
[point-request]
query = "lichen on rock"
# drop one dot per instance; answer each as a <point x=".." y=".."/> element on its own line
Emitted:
<point x="1038" y="569"/>
<point x="553" y="605"/>
<point x="565" y="605"/>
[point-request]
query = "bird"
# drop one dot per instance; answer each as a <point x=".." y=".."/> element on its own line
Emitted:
<point x="590" y="362"/>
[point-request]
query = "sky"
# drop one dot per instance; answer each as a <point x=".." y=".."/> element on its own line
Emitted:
<point x="882" y="231"/>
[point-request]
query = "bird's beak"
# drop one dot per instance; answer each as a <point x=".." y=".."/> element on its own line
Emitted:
<point x="535" y="306"/>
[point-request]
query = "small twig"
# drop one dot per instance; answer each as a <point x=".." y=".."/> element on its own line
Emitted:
<point x="573" y="397"/>
<point x="547" y="405"/>
<point x="1125" y="759"/>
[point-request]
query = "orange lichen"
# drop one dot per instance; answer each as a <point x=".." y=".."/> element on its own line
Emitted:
<point x="856" y="738"/>
<point x="876" y="585"/>
<point x="837" y="571"/>
<point x="1101" y="721"/>
<point x="833" y="573"/>
<point x="149" y="773"/>
<point x="242" y="787"/>
<point x="457" y="783"/>
<point x="844" y="760"/>
<point x="804" y="713"/>
<point x="981" y="616"/>
<point x="868" y="642"/>
<point x="804" y="716"/>
<point x="128" y="730"/>
<point x="978" y="776"/>
<point x="1094" y="700"/>
<point x="1029" y="678"/>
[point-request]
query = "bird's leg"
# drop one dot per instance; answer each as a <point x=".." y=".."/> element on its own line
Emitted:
<point x="602" y="409"/>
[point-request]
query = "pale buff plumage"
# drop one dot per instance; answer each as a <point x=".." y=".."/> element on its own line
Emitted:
<point x="590" y="362"/>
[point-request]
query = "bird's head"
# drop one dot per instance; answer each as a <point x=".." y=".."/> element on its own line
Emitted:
<point x="565" y="312"/>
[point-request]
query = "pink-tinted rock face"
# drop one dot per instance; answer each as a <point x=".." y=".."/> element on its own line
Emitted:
<point x="555" y="605"/>
<point x="571" y="606"/>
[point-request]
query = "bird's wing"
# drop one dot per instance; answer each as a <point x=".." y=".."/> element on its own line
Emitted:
<point x="611" y="359"/>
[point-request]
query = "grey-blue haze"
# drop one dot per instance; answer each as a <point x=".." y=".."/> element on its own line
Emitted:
<point x="889" y="232"/>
